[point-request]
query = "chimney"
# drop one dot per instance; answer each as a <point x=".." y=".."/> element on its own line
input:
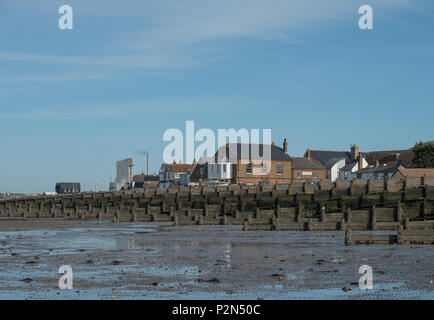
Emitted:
<point x="354" y="152"/>
<point x="285" y="146"/>
<point x="147" y="164"/>
<point x="308" y="154"/>
<point x="360" y="162"/>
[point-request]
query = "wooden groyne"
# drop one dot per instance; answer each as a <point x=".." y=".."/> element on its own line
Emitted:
<point x="353" y="205"/>
<point x="419" y="232"/>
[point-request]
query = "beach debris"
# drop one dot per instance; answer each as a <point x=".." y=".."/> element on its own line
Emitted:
<point x="213" y="280"/>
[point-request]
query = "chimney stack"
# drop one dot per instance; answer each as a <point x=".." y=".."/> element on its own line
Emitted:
<point x="360" y="162"/>
<point x="308" y="154"/>
<point x="285" y="146"/>
<point x="354" y="152"/>
<point x="147" y="164"/>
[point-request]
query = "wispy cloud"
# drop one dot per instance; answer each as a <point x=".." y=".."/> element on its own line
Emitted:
<point x="141" y="61"/>
<point x="116" y="110"/>
<point x="54" y="78"/>
<point x="167" y="32"/>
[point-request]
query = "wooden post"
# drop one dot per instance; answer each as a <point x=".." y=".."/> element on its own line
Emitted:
<point x="52" y="210"/>
<point x="117" y="215"/>
<point x="400" y="239"/>
<point x="343" y="225"/>
<point x="348" y="216"/>
<point x="205" y="210"/>
<point x="278" y="211"/>
<point x="424" y="210"/>
<point x="352" y="187"/>
<point x="236" y="215"/>
<point x="257" y="213"/>
<point x="323" y="215"/>
<point x="300" y="211"/>
<point x="406" y="223"/>
<point x="398" y="212"/>
<point x="373" y="218"/>
<point x="309" y="224"/>
<point x="348" y="235"/>
<point x="245" y="226"/>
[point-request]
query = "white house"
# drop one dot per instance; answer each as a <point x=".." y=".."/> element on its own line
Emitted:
<point x="175" y="175"/>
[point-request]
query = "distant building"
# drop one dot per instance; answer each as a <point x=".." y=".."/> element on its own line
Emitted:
<point x="339" y="163"/>
<point x="375" y="173"/>
<point x="10" y="196"/>
<point x="305" y="169"/>
<point x="68" y="187"/>
<point x="175" y="174"/>
<point x="402" y="173"/>
<point x="390" y="157"/>
<point x="241" y="163"/>
<point x="199" y="176"/>
<point x="145" y="180"/>
<point x="124" y="174"/>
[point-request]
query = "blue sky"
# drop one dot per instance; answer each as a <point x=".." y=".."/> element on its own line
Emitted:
<point x="73" y="102"/>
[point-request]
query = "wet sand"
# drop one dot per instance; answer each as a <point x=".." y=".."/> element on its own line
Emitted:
<point x="161" y="261"/>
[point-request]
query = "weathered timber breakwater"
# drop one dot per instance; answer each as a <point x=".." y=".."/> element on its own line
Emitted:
<point x="405" y="207"/>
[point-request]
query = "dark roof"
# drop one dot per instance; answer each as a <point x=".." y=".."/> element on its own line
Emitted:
<point x="349" y="166"/>
<point x="178" y="167"/>
<point x="197" y="176"/>
<point x="244" y="151"/>
<point x="145" y="177"/>
<point x="332" y="162"/>
<point x="380" y="169"/>
<point x="390" y="157"/>
<point x="305" y="163"/>
<point x="325" y="156"/>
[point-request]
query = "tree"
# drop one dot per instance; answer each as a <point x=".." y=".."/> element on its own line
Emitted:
<point x="424" y="154"/>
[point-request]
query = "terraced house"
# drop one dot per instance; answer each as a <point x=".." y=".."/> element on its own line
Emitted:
<point x="175" y="174"/>
<point x="242" y="163"/>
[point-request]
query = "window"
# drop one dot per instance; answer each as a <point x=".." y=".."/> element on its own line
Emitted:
<point x="264" y="168"/>
<point x="249" y="168"/>
<point x="201" y="170"/>
<point x="279" y="168"/>
<point x="315" y="174"/>
<point x="299" y="174"/>
<point x="224" y="168"/>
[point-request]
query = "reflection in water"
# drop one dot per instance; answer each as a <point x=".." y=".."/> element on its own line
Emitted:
<point x="227" y="254"/>
<point x="125" y="244"/>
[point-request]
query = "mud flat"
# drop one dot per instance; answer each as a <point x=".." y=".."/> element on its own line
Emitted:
<point x="162" y="261"/>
